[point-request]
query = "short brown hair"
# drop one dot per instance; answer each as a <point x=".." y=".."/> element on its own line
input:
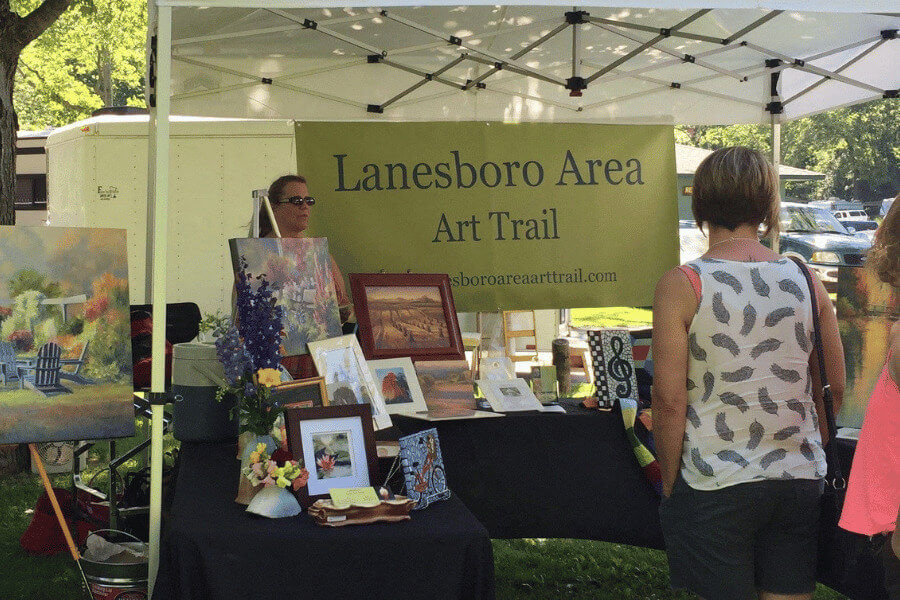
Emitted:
<point x="736" y="186"/>
<point x="884" y="257"/>
<point x="276" y="194"/>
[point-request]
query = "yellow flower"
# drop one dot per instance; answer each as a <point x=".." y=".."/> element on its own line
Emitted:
<point x="261" y="447"/>
<point x="254" y="457"/>
<point x="282" y="482"/>
<point x="268" y="377"/>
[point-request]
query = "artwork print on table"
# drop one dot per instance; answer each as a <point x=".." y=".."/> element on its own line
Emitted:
<point x="423" y="468"/>
<point x="399" y="384"/>
<point x="299" y="271"/>
<point x="447" y="385"/>
<point x="65" y="345"/>
<point x="613" y="364"/>
<point x="340" y="361"/>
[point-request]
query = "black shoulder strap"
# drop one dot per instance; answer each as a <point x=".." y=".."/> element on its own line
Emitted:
<point x="827" y="400"/>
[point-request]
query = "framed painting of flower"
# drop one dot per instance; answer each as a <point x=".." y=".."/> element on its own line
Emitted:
<point x="336" y="444"/>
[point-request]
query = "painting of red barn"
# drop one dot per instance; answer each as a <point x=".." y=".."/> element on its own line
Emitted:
<point x="65" y="335"/>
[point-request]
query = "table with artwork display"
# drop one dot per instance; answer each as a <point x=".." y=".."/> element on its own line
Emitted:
<point x="534" y="474"/>
<point x="212" y="548"/>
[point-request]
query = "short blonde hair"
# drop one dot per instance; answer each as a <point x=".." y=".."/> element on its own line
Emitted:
<point x="736" y="186"/>
<point x="884" y="257"/>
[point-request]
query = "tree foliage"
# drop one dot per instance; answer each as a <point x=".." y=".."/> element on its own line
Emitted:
<point x="93" y="56"/>
<point x="857" y="148"/>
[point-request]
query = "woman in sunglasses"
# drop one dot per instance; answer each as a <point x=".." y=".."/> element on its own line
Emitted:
<point x="291" y="203"/>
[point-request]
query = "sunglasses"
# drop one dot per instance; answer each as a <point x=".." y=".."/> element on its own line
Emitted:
<point x="298" y="200"/>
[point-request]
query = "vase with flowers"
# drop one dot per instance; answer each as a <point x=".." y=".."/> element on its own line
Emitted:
<point x="272" y="475"/>
<point x="250" y="352"/>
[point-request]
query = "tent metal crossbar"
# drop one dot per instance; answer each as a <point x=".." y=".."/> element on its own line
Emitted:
<point x="498" y="60"/>
<point x="682" y="57"/>
<point x="843" y="67"/>
<point x="754" y="25"/>
<point x="609" y="72"/>
<point x="519" y="54"/>
<point x="662" y="31"/>
<point x="675" y="61"/>
<point x="802" y="65"/>
<point x="426" y="77"/>
<point x="316" y="26"/>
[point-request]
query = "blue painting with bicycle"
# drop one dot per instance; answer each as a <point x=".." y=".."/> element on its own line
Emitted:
<point x="423" y="468"/>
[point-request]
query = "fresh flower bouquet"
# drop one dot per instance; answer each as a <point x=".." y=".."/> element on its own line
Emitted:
<point x="250" y="354"/>
<point x="278" y="469"/>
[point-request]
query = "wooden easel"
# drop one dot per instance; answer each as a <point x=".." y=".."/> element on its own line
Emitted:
<point x="73" y="550"/>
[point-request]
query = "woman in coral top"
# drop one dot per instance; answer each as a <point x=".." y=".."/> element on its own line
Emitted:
<point x="873" y="493"/>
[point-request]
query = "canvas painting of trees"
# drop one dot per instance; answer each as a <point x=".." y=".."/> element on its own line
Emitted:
<point x="866" y="310"/>
<point x="65" y="335"/>
<point x="299" y="271"/>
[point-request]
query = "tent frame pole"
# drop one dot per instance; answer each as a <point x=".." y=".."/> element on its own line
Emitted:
<point x="157" y="249"/>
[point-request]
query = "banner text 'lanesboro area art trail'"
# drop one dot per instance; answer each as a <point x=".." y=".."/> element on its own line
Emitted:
<point x="537" y="215"/>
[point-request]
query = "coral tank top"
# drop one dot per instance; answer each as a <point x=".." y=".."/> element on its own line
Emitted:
<point x="873" y="492"/>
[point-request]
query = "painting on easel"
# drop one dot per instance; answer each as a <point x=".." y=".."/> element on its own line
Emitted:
<point x="65" y="335"/>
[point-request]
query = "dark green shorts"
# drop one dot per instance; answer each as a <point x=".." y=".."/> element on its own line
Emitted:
<point x="725" y="544"/>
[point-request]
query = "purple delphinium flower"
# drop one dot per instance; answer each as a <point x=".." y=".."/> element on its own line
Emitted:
<point x="259" y="320"/>
<point x="232" y="355"/>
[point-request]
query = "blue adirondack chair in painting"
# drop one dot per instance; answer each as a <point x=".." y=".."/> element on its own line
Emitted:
<point x="8" y="371"/>
<point x="42" y="373"/>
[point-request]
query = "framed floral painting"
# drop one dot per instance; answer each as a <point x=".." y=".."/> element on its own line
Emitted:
<point x="336" y="444"/>
<point x="406" y="314"/>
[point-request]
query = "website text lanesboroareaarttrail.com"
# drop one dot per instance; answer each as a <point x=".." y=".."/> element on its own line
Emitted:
<point x="574" y="276"/>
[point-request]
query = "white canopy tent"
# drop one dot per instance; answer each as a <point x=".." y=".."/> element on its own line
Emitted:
<point x="648" y="61"/>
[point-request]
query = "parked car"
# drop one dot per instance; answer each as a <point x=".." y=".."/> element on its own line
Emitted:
<point x="856" y="214"/>
<point x="818" y="238"/>
<point x="807" y="232"/>
<point x="857" y="222"/>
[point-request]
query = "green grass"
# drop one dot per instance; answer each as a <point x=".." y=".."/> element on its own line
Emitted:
<point x="27" y="577"/>
<point x="524" y="569"/>
<point x="539" y="569"/>
<point x="615" y="316"/>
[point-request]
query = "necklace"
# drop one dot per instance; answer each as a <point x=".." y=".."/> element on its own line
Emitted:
<point x="733" y="239"/>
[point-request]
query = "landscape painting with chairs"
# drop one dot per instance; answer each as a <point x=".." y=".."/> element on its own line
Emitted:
<point x="65" y="335"/>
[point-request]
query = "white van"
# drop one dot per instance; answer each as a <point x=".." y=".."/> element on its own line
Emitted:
<point x="851" y="215"/>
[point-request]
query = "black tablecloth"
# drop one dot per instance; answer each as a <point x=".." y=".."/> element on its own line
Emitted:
<point x="212" y="549"/>
<point x="557" y="475"/>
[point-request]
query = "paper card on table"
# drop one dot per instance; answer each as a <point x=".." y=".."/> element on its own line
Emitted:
<point x="359" y="496"/>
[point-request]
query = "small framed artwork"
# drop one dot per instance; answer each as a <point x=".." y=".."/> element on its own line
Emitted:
<point x="302" y="393"/>
<point x="447" y="386"/>
<point x="336" y="444"/>
<point x="509" y="395"/>
<point x="406" y="314"/>
<point x="347" y="377"/>
<point x="399" y="384"/>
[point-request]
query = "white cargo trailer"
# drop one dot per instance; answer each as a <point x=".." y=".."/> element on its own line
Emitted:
<point x="97" y="177"/>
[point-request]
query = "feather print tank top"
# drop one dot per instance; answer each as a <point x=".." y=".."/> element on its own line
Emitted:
<point x="750" y="413"/>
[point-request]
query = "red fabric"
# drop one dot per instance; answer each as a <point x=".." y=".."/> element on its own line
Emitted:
<point x="141" y="332"/>
<point x="43" y="535"/>
<point x="694" y="278"/>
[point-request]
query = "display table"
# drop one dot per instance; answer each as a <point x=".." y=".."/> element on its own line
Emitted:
<point x="211" y="548"/>
<point x="549" y="475"/>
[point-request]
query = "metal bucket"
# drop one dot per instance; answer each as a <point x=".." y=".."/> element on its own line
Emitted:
<point x="119" y="579"/>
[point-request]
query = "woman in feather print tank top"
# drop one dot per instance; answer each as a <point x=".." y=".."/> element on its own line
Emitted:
<point x="736" y="422"/>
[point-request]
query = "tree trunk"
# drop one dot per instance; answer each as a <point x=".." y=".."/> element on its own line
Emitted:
<point x="16" y="32"/>
<point x="8" y="127"/>
<point x="104" y="76"/>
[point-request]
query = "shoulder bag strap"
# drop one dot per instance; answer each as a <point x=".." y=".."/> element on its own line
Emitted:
<point x="835" y="474"/>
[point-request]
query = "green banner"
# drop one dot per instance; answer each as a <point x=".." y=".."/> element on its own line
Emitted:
<point x="535" y="215"/>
